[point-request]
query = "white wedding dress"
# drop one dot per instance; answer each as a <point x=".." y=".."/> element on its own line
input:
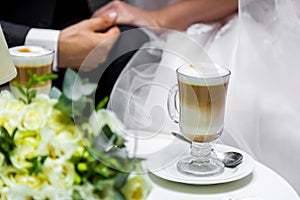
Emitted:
<point x="261" y="46"/>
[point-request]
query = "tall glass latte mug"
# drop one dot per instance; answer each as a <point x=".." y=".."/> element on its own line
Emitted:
<point x="202" y="90"/>
<point x="36" y="59"/>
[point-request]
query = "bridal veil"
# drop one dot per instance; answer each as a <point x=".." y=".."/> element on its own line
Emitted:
<point x="261" y="46"/>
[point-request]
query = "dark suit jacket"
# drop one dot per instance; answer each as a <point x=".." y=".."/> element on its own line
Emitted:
<point x="18" y="16"/>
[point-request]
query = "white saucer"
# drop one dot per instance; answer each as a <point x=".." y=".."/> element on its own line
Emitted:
<point x="171" y="173"/>
<point x="162" y="152"/>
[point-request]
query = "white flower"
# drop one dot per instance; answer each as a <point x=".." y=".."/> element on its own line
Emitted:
<point x="7" y="174"/>
<point x="33" y="181"/>
<point x="45" y="103"/>
<point x="52" y="192"/>
<point x="20" y="154"/>
<point x="60" y="173"/>
<point x="6" y="94"/>
<point x="5" y="98"/>
<point x="10" y="115"/>
<point x="62" y="146"/>
<point x="137" y="187"/>
<point x="105" y="117"/>
<point x="20" y="192"/>
<point x="86" y="191"/>
<point x="58" y="121"/>
<point x="68" y="134"/>
<point x="33" y="117"/>
<point x="27" y="138"/>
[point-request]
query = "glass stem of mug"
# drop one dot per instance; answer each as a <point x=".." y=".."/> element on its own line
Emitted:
<point x="201" y="151"/>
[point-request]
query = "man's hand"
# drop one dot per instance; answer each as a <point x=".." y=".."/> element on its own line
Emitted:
<point x="76" y="42"/>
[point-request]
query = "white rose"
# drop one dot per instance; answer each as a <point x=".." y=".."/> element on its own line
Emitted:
<point x="27" y="138"/>
<point x="20" y="154"/>
<point x="5" y="98"/>
<point x="45" y="103"/>
<point x="7" y="174"/>
<point x="54" y="193"/>
<point x="60" y="173"/>
<point x="34" y="182"/>
<point x="11" y="111"/>
<point x="86" y="191"/>
<point x="62" y="147"/>
<point x="68" y="134"/>
<point x="20" y="192"/>
<point x="58" y="121"/>
<point x="6" y="95"/>
<point x="9" y="120"/>
<point x="33" y="118"/>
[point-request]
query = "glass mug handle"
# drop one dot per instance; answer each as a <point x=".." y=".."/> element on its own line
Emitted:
<point x="172" y="104"/>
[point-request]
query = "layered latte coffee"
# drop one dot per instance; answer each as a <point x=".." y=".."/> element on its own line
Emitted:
<point x="202" y="91"/>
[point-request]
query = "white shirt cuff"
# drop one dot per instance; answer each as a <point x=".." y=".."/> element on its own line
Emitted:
<point x="46" y="38"/>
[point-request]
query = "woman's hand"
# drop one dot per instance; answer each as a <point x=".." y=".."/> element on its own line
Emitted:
<point x="129" y="15"/>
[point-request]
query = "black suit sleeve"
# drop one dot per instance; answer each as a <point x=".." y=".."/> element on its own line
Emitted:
<point x="14" y="34"/>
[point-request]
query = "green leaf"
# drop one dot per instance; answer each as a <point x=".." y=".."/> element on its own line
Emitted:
<point x="54" y="93"/>
<point x="103" y="171"/>
<point x="45" y="77"/>
<point x="102" y="103"/>
<point x="20" y="89"/>
<point x="64" y="105"/>
<point x="31" y="80"/>
<point x="69" y="83"/>
<point x="7" y="143"/>
<point x="120" y="180"/>
<point x="119" y="195"/>
<point x="37" y="164"/>
<point x="113" y="138"/>
<point x="32" y="95"/>
<point x="87" y="89"/>
<point x="76" y="195"/>
<point x="106" y="160"/>
<point x="14" y="133"/>
<point x="74" y="88"/>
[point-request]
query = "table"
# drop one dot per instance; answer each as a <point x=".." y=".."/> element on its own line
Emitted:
<point x="263" y="183"/>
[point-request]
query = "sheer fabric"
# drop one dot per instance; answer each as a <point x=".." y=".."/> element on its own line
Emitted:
<point x="260" y="45"/>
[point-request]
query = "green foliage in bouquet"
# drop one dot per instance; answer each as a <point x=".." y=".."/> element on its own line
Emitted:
<point x="29" y="93"/>
<point x="60" y="147"/>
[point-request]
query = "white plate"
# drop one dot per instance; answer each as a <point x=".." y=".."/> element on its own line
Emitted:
<point x="162" y="152"/>
<point x="170" y="172"/>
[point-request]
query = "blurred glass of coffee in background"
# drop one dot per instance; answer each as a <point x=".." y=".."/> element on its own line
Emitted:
<point x="36" y="59"/>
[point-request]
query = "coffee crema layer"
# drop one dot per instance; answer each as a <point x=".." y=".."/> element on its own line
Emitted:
<point x="202" y="138"/>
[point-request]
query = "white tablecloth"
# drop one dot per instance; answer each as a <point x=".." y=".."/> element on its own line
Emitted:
<point x="262" y="183"/>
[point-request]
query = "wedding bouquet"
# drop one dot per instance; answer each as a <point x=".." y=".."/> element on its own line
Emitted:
<point x="50" y="150"/>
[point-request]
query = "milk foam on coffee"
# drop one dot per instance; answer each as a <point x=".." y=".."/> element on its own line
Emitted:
<point x="202" y="101"/>
<point x="38" y="60"/>
<point x="203" y="74"/>
<point x="31" y="56"/>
